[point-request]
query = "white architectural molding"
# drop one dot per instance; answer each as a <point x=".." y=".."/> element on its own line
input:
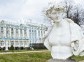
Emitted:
<point x="30" y="33"/>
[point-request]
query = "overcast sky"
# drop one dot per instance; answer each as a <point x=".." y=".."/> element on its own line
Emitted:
<point x="22" y="11"/>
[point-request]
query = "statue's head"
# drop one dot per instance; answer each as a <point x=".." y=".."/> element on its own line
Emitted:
<point x="55" y="13"/>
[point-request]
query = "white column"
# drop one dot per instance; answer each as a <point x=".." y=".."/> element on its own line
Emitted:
<point x="19" y="33"/>
<point x="28" y="42"/>
<point x="10" y="32"/>
<point x="27" y="33"/>
<point x="19" y="44"/>
<point x="24" y="44"/>
<point x="43" y="33"/>
<point x="6" y="45"/>
<point x="4" y="31"/>
<point x="14" y="43"/>
<point x="14" y="33"/>
<point x="22" y="33"/>
<point x="37" y="36"/>
<point x="0" y="31"/>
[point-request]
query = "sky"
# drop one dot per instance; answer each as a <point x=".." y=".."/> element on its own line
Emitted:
<point x="24" y="11"/>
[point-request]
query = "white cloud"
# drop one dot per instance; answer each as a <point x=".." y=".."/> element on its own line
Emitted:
<point x="19" y="10"/>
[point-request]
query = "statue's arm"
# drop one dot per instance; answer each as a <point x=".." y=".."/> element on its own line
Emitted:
<point x="47" y="33"/>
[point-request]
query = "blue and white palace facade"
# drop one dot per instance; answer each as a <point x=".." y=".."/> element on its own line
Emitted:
<point x="20" y="35"/>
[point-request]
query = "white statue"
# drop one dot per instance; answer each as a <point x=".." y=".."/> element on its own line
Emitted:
<point x="65" y="38"/>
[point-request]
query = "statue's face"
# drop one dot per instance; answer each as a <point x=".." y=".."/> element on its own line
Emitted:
<point x="54" y="14"/>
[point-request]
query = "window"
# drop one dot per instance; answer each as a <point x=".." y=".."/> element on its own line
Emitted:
<point x="1" y="43"/>
<point x="12" y="43"/>
<point x="38" y="33"/>
<point x="16" y="31"/>
<point x="25" y="32"/>
<point x="7" y="32"/>
<point x="11" y="30"/>
<point x="17" y="43"/>
<point x="20" y="31"/>
<point x="29" y="30"/>
<point x="1" y="29"/>
<point x="25" y="43"/>
<point x="41" y="33"/>
<point x="21" y="43"/>
<point x="32" y="30"/>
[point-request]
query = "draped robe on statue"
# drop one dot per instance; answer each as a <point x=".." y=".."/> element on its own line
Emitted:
<point x="65" y="39"/>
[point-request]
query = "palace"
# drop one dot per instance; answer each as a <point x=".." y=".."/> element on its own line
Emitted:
<point x="22" y="35"/>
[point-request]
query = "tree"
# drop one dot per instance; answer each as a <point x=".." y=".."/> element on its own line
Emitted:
<point x="72" y="12"/>
<point x="68" y="8"/>
<point x="76" y="17"/>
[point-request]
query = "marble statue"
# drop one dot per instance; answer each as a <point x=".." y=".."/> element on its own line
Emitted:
<point x="65" y="38"/>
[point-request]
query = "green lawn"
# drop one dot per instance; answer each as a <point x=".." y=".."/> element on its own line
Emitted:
<point x="25" y="57"/>
<point x="29" y="57"/>
<point x="78" y="58"/>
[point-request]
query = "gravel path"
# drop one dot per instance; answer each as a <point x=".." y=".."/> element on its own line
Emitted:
<point x="22" y="52"/>
<point x="81" y="61"/>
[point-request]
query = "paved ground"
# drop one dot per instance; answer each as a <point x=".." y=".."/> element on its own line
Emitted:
<point x="81" y="61"/>
<point x="22" y="52"/>
<point x="59" y="60"/>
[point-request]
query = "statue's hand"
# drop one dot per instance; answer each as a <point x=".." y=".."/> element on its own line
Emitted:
<point x="75" y="47"/>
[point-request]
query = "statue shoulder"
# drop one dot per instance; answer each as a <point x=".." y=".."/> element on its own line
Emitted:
<point x="73" y="24"/>
<point x="69" y="20"/>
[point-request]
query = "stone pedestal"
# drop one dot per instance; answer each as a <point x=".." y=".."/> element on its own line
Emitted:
<point x="59" y="60"/>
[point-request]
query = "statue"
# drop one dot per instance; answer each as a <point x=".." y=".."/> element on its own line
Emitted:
<point x="65" y="38"/>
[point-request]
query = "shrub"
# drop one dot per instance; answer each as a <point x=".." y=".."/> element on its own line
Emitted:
<point x="38" y="46"/>
<point x="21" y="48"/>
<point x="11" y="48"/>
<point x="16" y="48"/>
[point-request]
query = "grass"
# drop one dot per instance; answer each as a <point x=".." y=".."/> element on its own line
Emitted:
<point x="30" y="57"/>
<point x="25" y="57"/>
<point x="78" y="58"/>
